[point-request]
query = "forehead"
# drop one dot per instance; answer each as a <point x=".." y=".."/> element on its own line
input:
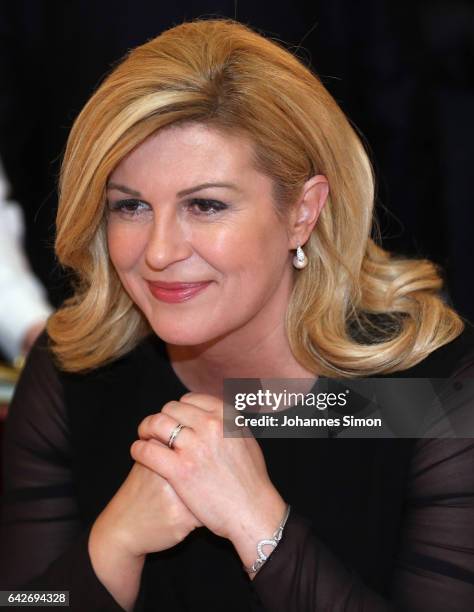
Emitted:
<point x="189" y="151"/>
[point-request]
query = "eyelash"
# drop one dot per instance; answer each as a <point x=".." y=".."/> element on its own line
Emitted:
<point x="214" y="205"/>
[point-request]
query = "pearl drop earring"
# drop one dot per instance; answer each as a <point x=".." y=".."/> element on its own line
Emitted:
<point x="300" y="260"/>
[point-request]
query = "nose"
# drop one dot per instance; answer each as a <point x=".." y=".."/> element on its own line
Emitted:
<point x="166" y="242"/>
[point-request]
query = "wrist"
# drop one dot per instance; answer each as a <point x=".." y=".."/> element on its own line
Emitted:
<point x="259" y="526"/>
<point x="118" y="569"/>
<point x="116" y="541"/>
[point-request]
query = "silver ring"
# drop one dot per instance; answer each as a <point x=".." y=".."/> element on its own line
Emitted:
<point x="174" y="434"/>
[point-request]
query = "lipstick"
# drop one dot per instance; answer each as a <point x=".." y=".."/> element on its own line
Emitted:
<point x="176" y="292"/>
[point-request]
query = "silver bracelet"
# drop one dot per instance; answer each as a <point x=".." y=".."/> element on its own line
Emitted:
<point x="275" y="539"/>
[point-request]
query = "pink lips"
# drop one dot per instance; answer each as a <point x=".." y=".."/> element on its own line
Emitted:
<point x="176" y="292"/>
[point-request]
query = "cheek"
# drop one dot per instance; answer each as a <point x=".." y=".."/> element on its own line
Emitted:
<point x="238" y="242"/>
<point x="254" y="262"/>
<point x="125" y="245"/>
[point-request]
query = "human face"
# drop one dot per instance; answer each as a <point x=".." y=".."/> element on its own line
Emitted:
<point x="165" y="226"/>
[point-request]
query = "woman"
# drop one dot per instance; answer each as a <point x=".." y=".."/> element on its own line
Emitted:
<point x="216" y="209"/>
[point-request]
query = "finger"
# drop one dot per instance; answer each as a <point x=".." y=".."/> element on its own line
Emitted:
<point x="158" y="442"/>
<point x="202" y="400"/>
<point x="158" y="458"/>
<point x="161" y="426"/>
<point x="187" y="414"/>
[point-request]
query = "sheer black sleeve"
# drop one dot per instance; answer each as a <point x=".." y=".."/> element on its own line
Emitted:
<point x="434" y="565"/>
<point x="43" y="543"/>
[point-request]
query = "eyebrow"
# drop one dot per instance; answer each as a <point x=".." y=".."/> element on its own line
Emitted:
<point x="181" y="193"/>
<point x="123" y="188"/>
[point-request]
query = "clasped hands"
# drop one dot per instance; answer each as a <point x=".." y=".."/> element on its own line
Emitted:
<point x="222" y="483"/>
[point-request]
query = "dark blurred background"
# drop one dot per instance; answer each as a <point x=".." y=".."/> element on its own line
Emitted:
<point x="403" y="72"/>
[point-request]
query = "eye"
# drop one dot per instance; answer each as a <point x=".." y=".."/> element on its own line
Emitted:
<point x="129" y="208"/>
<point x="207" y="207"/>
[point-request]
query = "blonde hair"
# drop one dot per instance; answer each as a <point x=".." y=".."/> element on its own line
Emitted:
<point x="355" y="309"/>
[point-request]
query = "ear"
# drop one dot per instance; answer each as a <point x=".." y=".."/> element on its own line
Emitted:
<point x="307" y="209"/>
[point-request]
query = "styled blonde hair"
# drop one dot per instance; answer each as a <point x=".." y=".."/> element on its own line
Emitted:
<point x="355" y="310"/>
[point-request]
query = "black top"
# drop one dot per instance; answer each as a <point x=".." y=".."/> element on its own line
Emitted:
<point x="376" y="524"/>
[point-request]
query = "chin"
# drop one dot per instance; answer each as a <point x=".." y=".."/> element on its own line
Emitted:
<point x="182" y="335"/>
